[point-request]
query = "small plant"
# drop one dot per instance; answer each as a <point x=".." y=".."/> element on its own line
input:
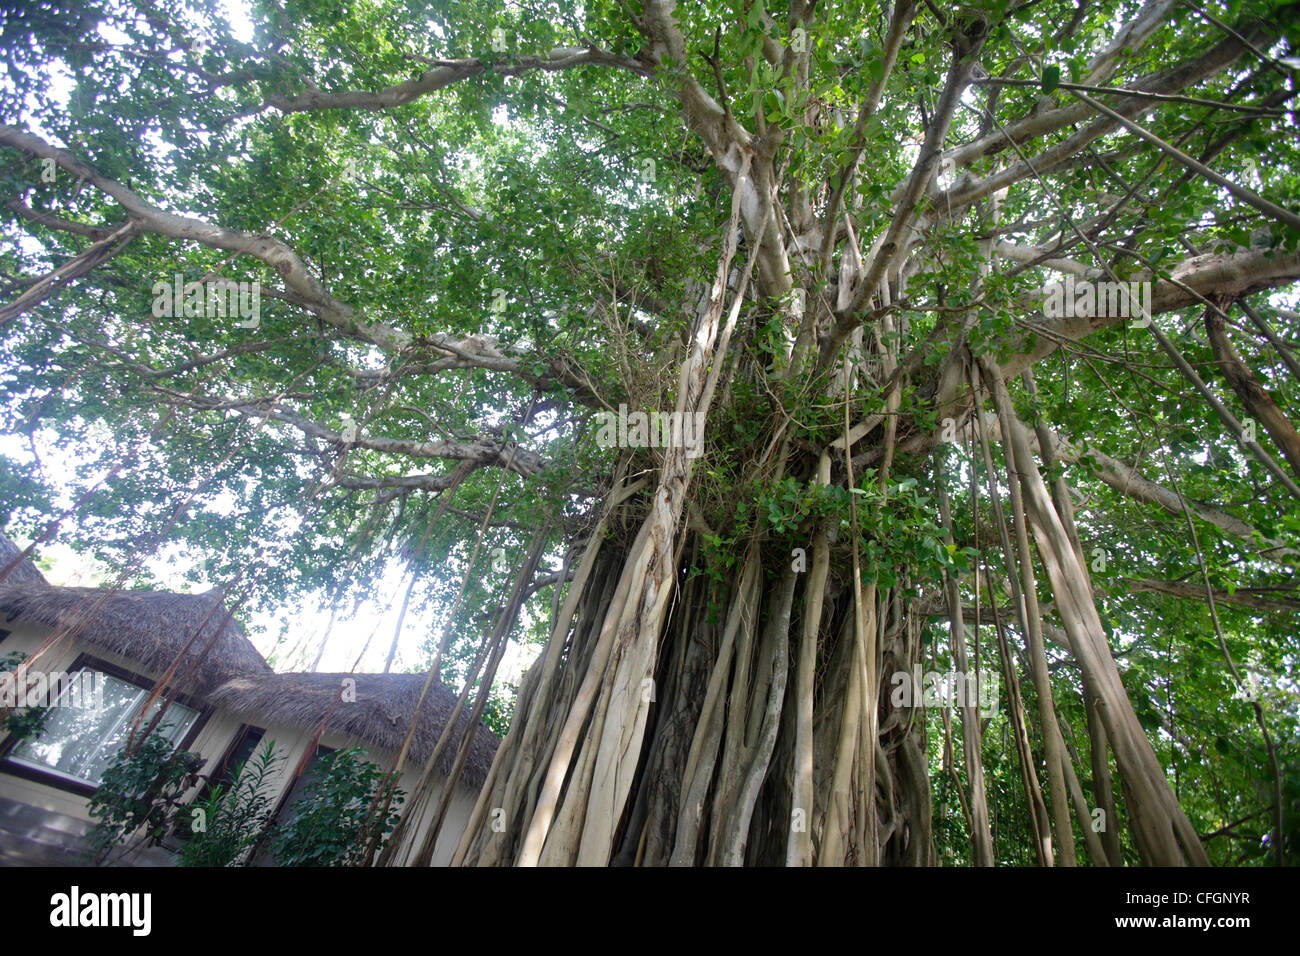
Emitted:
<point x="26" y="723"/>
<point x="21" y="723"/>
<point x="225" y="826"/>
<point x="331" y="825"/>
<point x="790" y="503"/>
<point x="141" y="791"/>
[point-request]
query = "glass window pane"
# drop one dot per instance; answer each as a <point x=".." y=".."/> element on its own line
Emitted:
<point x="80" y="741"/>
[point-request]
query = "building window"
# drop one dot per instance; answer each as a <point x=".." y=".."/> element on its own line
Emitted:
<point x="239" y="752"/>
<point x="80" y="737"/>
<point x="310" y="777"/>
<point x="289" y="803"/>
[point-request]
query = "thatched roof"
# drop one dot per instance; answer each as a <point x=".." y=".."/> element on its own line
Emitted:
<point x="25" y="574"/>
<point x="380" y="716"/>
<point x="151" y="628"/>
<point x="148" y="627"/>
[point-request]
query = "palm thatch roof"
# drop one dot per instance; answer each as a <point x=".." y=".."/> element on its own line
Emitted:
<point x="152" y="627"/>
<point x="25" y="574"/>
<point x="148" y="627"/>
<point x="380" y="716"/>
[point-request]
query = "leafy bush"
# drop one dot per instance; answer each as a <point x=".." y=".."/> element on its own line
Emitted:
<point x="141" y="790"/>
<point x="329" y="825"/>
<point x="22" y="723"/>
<point x="228" y="823"/>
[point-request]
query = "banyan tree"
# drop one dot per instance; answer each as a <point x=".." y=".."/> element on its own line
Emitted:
<point x="873" y="419"/>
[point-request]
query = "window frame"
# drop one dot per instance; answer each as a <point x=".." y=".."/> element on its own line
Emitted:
<point x="282" y="804"/>
<point x="60" y="781"/>
<point x="222" y="768"/>
<point x="260" y="854"/>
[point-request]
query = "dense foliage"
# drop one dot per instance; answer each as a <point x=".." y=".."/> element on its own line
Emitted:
<point x="335" y="822"/>
<point x="231" y="819"/>
<point x="141" y="791"/>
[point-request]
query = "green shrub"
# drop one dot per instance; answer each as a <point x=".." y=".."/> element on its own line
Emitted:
<point x="226" y="825"/>
<point x="141" y="790"/>
<point x="23" y="723"/>
<point x="329" y="825"/>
